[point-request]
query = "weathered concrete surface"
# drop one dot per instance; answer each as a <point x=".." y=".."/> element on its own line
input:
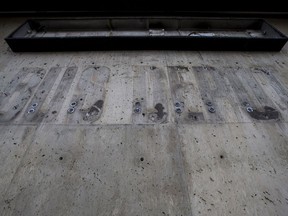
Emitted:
<point x="107" y="159"/>
<point x="236" y="169"/>
<point x="99" y="171"/>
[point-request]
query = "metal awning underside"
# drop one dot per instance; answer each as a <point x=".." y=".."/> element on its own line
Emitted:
<point x="136" y="33"/>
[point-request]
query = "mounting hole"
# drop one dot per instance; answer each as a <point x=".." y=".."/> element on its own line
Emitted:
<point x="211" y="109"/>
<point x="73" y="104"/>
<point x="137" y="110"/>
<point x="177" y="104"/>
<point x="32" y="110"/>
<point x="209" y="103"/>
<point x="71" y="110"/>
<point x="178" y="110"/>
<point x="34" y="105"/>
<point x="249" y="109"/>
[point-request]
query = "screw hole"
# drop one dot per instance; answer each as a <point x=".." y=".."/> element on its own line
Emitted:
<point x="209" y="103"/>
<point x="73" y="104"/>
<point x="249" y="109"/>
<point x="137" y="110"/>
<point x="34" y="105"/>
<point x="71" y="110"/>
<point x="211" y="110"/>
<point x="178" y="110"/>
<point x="31" y="110"/>
<point x="177" y="104"/>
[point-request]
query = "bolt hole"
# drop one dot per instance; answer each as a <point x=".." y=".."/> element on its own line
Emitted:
<point x="73" y="104"/>
<point x="209" y="103"/>
<point x="34" y="104"/>
<point x="178" y="110"/>
<point x="137" y="110"/>
<point x="141" y="159"/>
<point x="221" y="156"/>
<point x="211" y="110"/>
<point x="31" y="110"/>
<point x="249" y="109"/>
<point x="71" y="110"/>
<point x="177" y="104"/>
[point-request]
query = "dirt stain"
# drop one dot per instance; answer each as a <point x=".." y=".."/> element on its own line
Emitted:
<point x="99" y="104"/>
<point x="204" y="68"/>
<point x="182" y="68"/>
<point x="195" y="116"/>
<point x="265" y="71"/>
<point x="160" y="113"/>
<point x="268" y="114"/>
<point x="93" y="113"/>
<point x="36" y="117"/>
<point x="159" y="116"/>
